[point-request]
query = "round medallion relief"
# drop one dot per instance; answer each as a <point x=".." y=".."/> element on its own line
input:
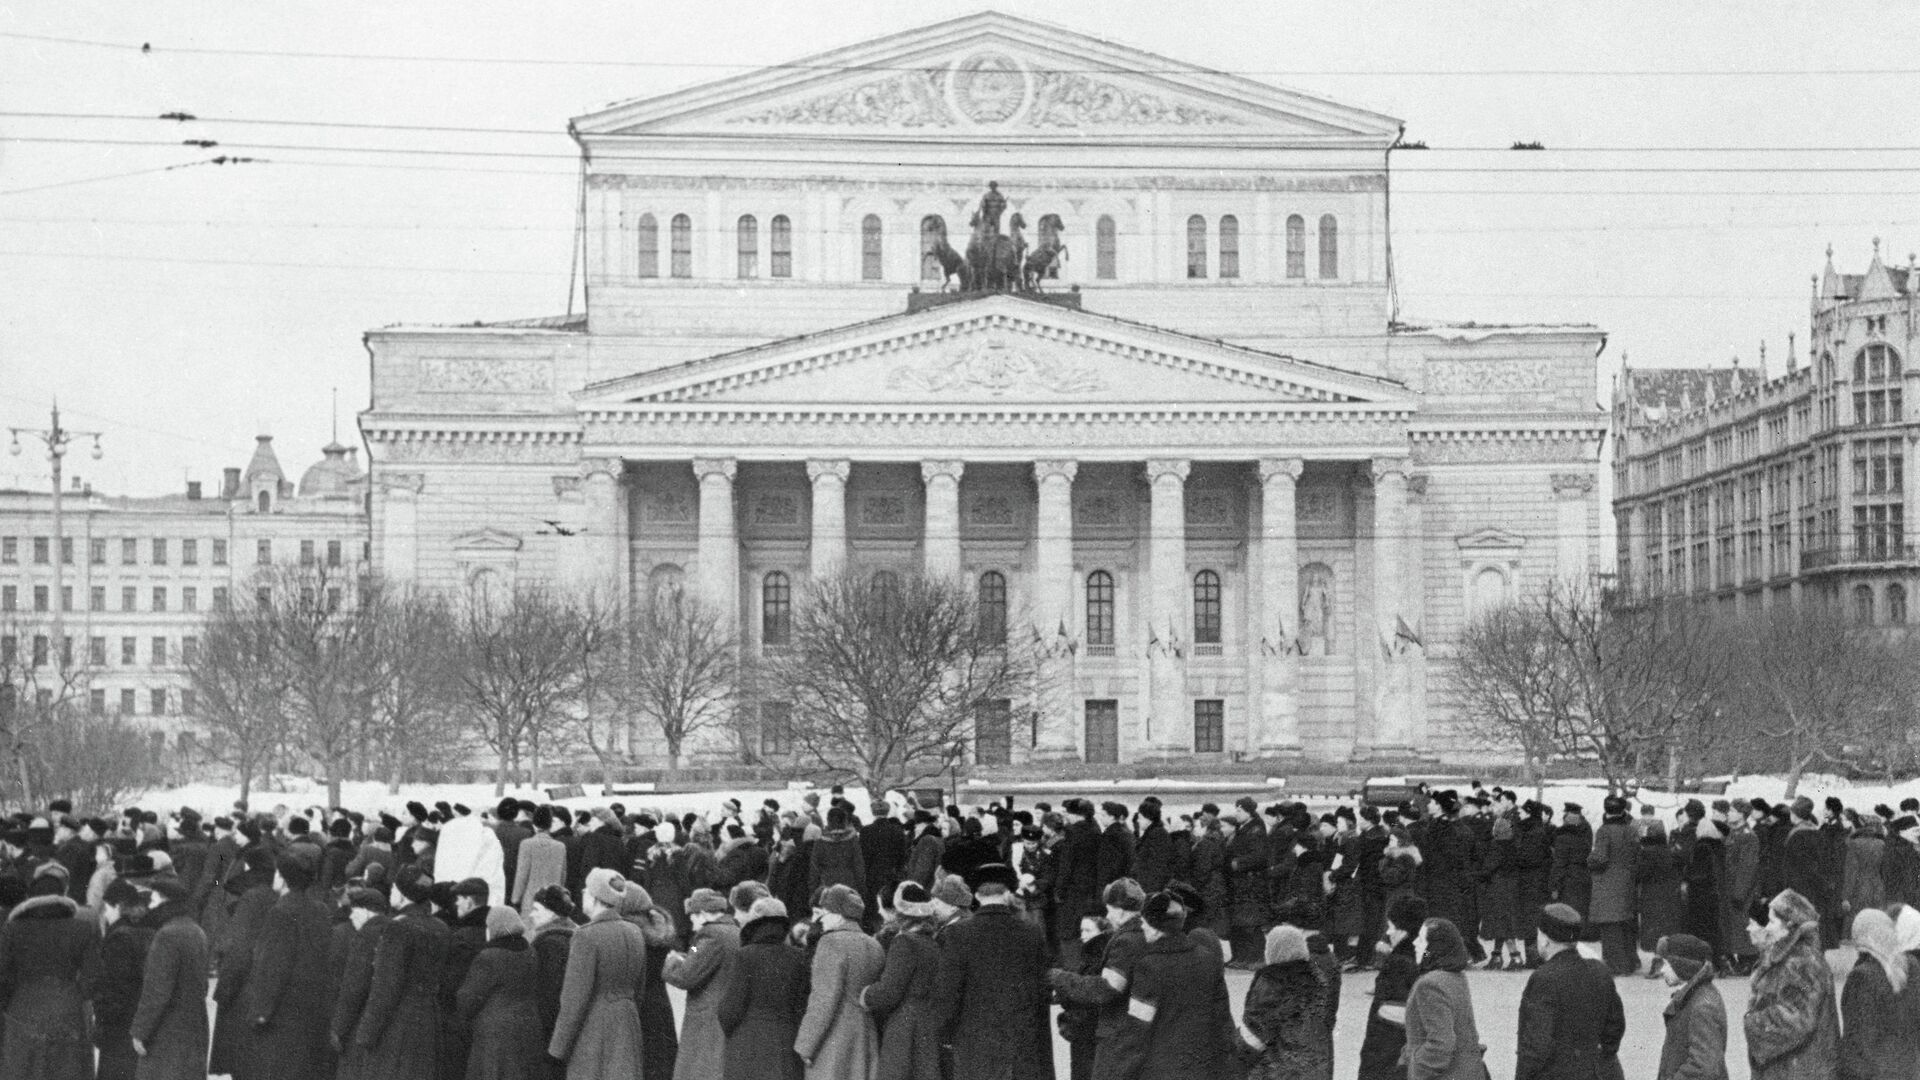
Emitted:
<point x="989" y="87"/>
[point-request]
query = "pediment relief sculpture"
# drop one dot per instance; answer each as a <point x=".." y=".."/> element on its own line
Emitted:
<point x="998" y="367"/>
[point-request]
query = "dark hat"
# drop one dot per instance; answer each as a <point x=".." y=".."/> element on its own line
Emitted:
<point x="1114" y="809"/>
<point x="1247" y="803"/>
<point x="1882" y="810"/>
<point x="414" y="883"/>
<point x="445" y="808"/>
<point x="843" y="901"/>
<point x="472" y="886"/>
<point x="1695" y="809"/>
<point x="1792" y="909"/>
<point x="382" y="835"/>
<point x="1721" y="807"/>
<point x="170" y="890"/>
<point x="366" y="898"/>
<point x="1407" y="911"/>
<point x="1910" y="806"/>
<point x="507" y="809"/>
<point x="1613" y="805"/>
<point x="1448" y="801"/>
<point x="707" y="902"/>
<point x="223" y="822"/>
<point x="1687" y="954"/>
<point x="1835" y="806"/>
<point x="1123" y="893"/>
<point x="1742" y="807"/>
<point x="996" y="873"/>
<point x="1561" y="923"/>
<point x="298" y="826"/>
<point x="373" y="876"/>
<point x="1903" y="823"/>
<point x="461" y="809"/>
<point x="1571" y="808"/>
<point x="1210" y="808"/>
<point x="953" y="891"/>
<point x="417" y="810"/>
<point x="297" y="873"/>
<point x="123" y="893"/>
<point x="136" y="866"/>
<point x="250" y="829"/>
<point x="340" y="829"/>
<point x="542" y="819"/>
<point x="1164" y="913"/>
<point x="555" y="899"/>
<point x="60" y="806"/>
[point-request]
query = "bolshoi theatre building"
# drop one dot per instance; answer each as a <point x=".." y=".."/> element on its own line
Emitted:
<point x="1108" y="336"/>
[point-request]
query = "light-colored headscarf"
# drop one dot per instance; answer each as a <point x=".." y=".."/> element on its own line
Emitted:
<point x="1906" y="928"/>
<point x="1286" y="943"/>
<point x="1874" y="934"/>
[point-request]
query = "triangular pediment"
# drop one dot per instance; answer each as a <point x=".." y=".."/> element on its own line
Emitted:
<point x="992" y="353"/>
<point x="1490" y="539"/>
<point x="991" y="75"/>
<point x="486" y="540"/>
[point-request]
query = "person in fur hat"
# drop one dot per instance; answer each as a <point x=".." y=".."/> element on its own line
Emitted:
<point x="1792" y="1021"/>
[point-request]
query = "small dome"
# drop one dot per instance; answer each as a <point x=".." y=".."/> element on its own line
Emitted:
<point x="332" y="476"/>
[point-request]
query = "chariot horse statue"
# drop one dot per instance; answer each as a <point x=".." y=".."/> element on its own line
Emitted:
<point x="1046" y="256"/>
<point x="994" y="260"/>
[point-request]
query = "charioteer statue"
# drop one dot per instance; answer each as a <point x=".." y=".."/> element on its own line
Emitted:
<point x="997" y="262"/>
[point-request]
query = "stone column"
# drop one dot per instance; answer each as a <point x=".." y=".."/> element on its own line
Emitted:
<point x="717" y="545"/>
<point x="1571" y="559"/>
<point x="1060" y="729"/>
<point x="602" y="560"/>
<point x="828" y="548"/>
<point x="1278" y="730"/>
<point x="1393" y="689"/>
<point x="941" y="534"/>
<point x="1167" y="640"/>
<point x="399" y="526"/>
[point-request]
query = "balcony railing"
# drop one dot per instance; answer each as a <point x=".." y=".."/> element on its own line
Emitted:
<point x="1854" y="553"/>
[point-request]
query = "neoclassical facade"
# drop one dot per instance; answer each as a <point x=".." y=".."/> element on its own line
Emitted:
<point x="1241" y="508"/>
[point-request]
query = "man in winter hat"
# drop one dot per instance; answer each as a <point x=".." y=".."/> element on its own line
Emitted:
<point x="1571" y="1017"/>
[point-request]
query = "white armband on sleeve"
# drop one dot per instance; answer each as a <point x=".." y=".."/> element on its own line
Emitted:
<point x="1251" y="1039"/>
<point x="1142" y="1011"/>
<point x="1115" y="980"/>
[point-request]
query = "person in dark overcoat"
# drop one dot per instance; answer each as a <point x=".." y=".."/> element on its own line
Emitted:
<point x="1247" y="905"/>
<point x="1446" y="862"/>
<point x="1792" y="1024"/>
<point x="1368" y="845"/>
<point x="1113" y="859"/>
<point x="1614" y="863"/>
<point x="1863" y="884"/>
<point x="1571" y="1019"/>
<point x="1443" y="1036"/>
<point x="397" y="1034"/>
<point x="49" y="964"/>
<point x="1695" y="1047"/>
<point x="233" y="958"/>
<point x="335" y="857"/>
<point x="513" y="826"/>
<point x="1533" y="856"/>
<point x="208" y="902"/>
<point x="991" y="1004"/>
<point x="883" y="848"/>
<point x="766" y="995"/>
<point x="367" y="918"/>
<point x="1804" y="869"/>
<point x="1705" y="912"/>
<point x="923" y="858"/>
<point x="902" y="1001"/>
<point x="1500" y="897"/>
<point x="550" y="932"/>
<point x="1080" y="1024"/>
<point x="189" y="850"/>
<point x="1207" y="872"/>
<point x="1569" y="881"/>
<point x="1105" y="990"/>
<point x="1657" y="880"/>
<point x="836" y="858"/>
<point x="1386" y="1032"/>
<point x="837" y="1038"/>
<point x="497" y="1002"/>
<point x="659" y="1040"/>
<point x="1876" y="1041"/>
<point x="1900" y="862"/>
<point x="702" y="972"/>
<point x="468" y="923"/>
<point x="169" y="1029"/>
<point x="1076" y="884"/>
<point x="1284" y="1020"/>
<point x="1152" y="851"/>
<point x="1179" y="1021"/>
<point x="287" y="1005"/>
<point x="598" y="1030"/>
<point x="123" y="959"/>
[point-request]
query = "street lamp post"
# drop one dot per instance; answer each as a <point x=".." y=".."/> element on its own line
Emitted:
<point x="56" y="439"/>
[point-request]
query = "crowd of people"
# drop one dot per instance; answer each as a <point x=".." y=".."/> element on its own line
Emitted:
<point x="535" y="942"/>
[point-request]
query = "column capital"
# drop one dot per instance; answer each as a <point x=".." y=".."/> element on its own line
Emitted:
<point x="934" y="470"/>
<point x="1384" y="468"/>
<point x="1272" y="469"/>
<point x="1417" y="484"/>
<point x="1063" y="468"/>
<point x="1160" y="468"/>
<point x="722" y="467"/>
<point x="1572" y="485"/>
<point x="819" y="469"/>
<point x="611" y="467"/>
<point x="402" y="483"/>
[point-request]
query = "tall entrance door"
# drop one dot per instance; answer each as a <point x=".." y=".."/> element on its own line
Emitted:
<point x="1103" y="731"/>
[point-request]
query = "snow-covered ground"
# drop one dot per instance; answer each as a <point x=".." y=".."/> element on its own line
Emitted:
<point x="1182" y="794"/>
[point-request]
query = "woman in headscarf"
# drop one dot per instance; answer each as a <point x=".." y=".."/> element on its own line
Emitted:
<point x="1443" y="1042"/>
<point x="1876" y="1043"/>
<point x="1284" y="1022"/>
<point x="1657" y="877"/>
<point x="1500" y="898"/>
<point x="1792" y="1025"/>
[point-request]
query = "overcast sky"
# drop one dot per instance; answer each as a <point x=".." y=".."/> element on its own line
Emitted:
<point x="1700" y="159"/>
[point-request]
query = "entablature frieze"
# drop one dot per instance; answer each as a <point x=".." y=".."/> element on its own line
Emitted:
<point x="968" y="187"/>
<point x="474" y="444"/>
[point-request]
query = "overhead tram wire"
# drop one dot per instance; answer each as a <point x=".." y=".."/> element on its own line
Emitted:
<point x="148" y="48"/>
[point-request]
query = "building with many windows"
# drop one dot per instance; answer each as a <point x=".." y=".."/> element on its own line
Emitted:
<point x="1196" y="459"/>
<point x="120" y="595"/>
<point x="1757" y="490"/>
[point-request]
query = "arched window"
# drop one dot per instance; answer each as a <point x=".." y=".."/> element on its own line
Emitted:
<point x="870" y="248"/>
<point x="1206" y="608"/>
<point x="776" y="610"/>
<point x="749" y="246"/>
<point x="933" y="233"/>
<point x="682" y="246"/>
<point x="484" y="588"/>
<point x="1876" y="363"/>
<point x="1296" y="246"/>
<point x="1489" y="590"/>
<point x="1100" y="610"/>
<point x="1196" y="246"/>
<point x="1863" y="604"/>
<point x="1897" y="605"/>
<point x="1229" y="246"/>
<point x="266" y="501"/>
<point x="1106" y="262"/>
<point x="780" y="232"/>
<point x="992" y="605"/>
<point x="1329" y="248"/>
<point x="649" y="231"/>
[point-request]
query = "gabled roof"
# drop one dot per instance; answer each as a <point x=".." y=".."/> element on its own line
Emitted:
<point x="991" y="74"/>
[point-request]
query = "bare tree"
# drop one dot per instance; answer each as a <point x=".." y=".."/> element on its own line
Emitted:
<point x="517" y="669"/>
<point x="681" y="668"/>
<point x="601" y="638"/>
<point x="321" y="626"/>
<point x="94" y="759"/>
<point x="414" y="719"/>
<point x="1509" y="679"/>
<point x="42" y="687"/>
<point x="1816" y="683"/>
<point x="886" y="677"/>
<point x="239" y="690"/>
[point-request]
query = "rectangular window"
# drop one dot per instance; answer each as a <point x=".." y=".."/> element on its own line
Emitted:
<point x="219" y="553"/>
<point x="306" y="553"/>
<point x="159" y="552"/>
<point x="993" y="733"/>
<point x="97" y="598"/>
<point x="187" y="703"/>
<point x="41" y="650"/>
<point x="333" y="553"/>
<point x="189" y="649"/>
<point x="97" y="701"/>
<point x="9" y="597"/>
<point x="681" y="237"/>
<point x="129" y="551"/>
<point x="97" y="651"/>
<point x="127" y="703"/>
<point x="42" y="551"/>
<point x="97" y="551"/>
<point x="9" y="550"/>
<point x="159" y="702"/>
<point x="1229" y="247"/>
<point x="776" y="728"/>
<point x="159" y="652"/>
<point x="129" y="598"/>
<point x="40" y="598"/>
<point x="159" y="598"/>
<point x="263" y="552"/>
<point x="66" y="551"/>
<point x="66" y="598"/>
<point x="127" y="648"/>
<point x="189" y="553"/>
<point x="189" y="599"/>
<point x="1103" y="731"/>
<point x="263" y="597"/>
<point x="782" y="236"/>
<point x="66" y="651"/>
<point x="9" y="651"/>
<point x="1209" y="726"/>
<point x="219" y="598"/>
